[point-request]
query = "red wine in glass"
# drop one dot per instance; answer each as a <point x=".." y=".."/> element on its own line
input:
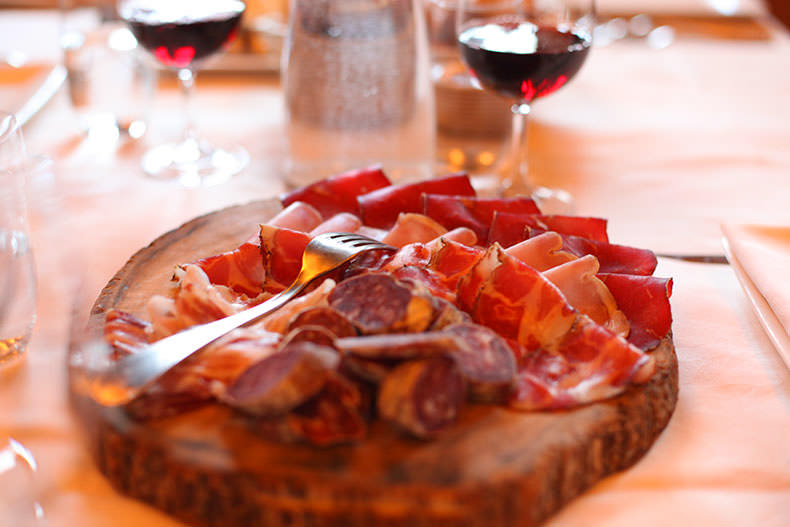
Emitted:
<point x="180" y="34"/>
<point x="179" y="42"/>
<point x="524" y="50"/>
<point x="522" y="60"/>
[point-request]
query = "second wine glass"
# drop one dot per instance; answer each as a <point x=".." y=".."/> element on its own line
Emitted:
<point x="180" y="34"/>
<point x="524" y="50"/>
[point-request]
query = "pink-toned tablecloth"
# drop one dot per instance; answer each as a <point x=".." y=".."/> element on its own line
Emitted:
<point x="667" y="143"/>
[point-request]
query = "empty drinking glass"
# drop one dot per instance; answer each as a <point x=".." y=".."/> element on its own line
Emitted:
<point x="17" y="275"/>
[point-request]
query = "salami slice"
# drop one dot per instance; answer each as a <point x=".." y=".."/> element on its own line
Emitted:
<point x="447" y="314"/>
<point x="399" y="346"/>
<point x="315" y="334"/>
<point x="324" y="317"/>
<point x="377" y="303"/>
<point x="368" y="370"/>
<point x="485" y="360"/>
<point x="381" y="207"/>
<point x="284" y="380"/>
<point x="422" y="397"/>
<point x="338" y="193"/>
<point x="331" y="417"/>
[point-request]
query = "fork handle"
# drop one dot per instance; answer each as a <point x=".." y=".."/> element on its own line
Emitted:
<point x="135" y="372"/>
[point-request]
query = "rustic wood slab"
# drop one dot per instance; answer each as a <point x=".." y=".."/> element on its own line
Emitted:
<point x="496" y="467"/>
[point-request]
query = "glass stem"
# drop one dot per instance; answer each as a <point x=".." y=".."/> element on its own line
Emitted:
<point x="186" y="78"/>
<point x="519" y="166"/>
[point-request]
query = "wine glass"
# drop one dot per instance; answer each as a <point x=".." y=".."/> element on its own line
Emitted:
<point x="180" y="34"/>
<point x="524" y="50"/>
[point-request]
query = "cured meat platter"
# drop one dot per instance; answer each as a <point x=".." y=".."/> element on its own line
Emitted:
<point x="213" y="461"/>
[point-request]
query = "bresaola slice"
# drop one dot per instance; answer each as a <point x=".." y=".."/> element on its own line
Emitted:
<point x="645" y="301"/>
<point x="381" y="207"/>
<point x="475" y="213"/>
<point x="508" y="229"/>
<point x="613" y="258"/>
<point x="339" y="193"/>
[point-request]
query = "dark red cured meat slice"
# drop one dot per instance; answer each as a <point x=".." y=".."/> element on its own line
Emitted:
<point x="485" y="360"/>
<point x="334" y="416"/>
<point x="125" y="332"/>
<point x="284" y="380"/>
<point x="399" y="346"/>
<point x="314" y="334"/>
<point x="381" y="207"/>
<point x="422" y="397"/>
<point x="240" y="269"/>
<point x="509" y="229"/>
<point x="645" y="302"/>
<point x="377" y="303"/>
<point x="473" y="212"/>
<point x="324" y="317"/>
<point x="369" y="370"/>
<point x="447" y="315"/>
<point x="613" y="258"/>
<point x="282" y="251"/>
<point x="339" y="193"/>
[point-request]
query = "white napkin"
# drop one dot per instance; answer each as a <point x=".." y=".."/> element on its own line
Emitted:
<point x="760" y="256"/>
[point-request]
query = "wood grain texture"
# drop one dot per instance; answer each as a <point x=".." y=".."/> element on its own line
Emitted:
<point x="495" y="467"/>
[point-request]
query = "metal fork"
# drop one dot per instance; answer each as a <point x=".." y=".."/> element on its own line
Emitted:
<point x="126" y="378"/>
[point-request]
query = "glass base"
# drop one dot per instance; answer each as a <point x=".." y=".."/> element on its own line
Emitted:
<point x="549" y="200"/>
<point x="194" y="163"/>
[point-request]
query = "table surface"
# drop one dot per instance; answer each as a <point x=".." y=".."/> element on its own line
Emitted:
<point x="666" y="143"/>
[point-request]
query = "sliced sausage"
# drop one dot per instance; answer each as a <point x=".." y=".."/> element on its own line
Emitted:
<point x="447" y="314"/>
<point x="485" y="360"/>
<point x="377" y="303"/>
<point x="324" y="317"/>
<point x="283" y="380"/>
<point x="422" y="396"/>
<point x="399" y="346"/>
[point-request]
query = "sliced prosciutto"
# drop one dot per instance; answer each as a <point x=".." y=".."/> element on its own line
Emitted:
<point x="612" y="257"/>
<point x="339" y="193"/>
<point x="592" y="367"/>
<point x="240" y="269"/>
<point x="297" y="216"/>
<point x="520" y="304"/>
<point x="587" y="293"/>
<point x="380" y="208"/>
<point x="473" y="212"/>
<point x="541" y="252"/>
<point x="412" y="228"/>
<point x="509" y="229"/>
<point x="342" y="222"/>
<point x="282" y="251"/>
<point x="645" y="301"/>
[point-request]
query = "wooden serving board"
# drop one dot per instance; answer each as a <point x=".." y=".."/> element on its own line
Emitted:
<point x="495" y="467"/>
